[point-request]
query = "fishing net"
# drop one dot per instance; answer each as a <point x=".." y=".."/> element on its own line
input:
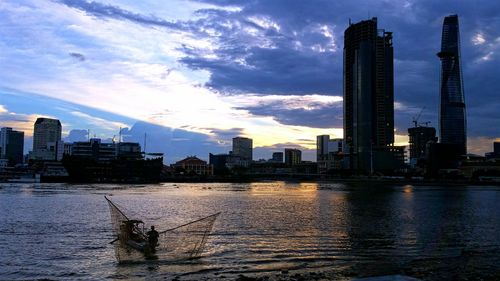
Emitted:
<point x="182" y="242"/>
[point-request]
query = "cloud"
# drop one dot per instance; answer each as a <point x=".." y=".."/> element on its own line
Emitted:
<point x="280" y="68"/>
<point x="319" y="111"/>
<point x="329" y="116"/>
<point x="78" y="56"/>
<point x="18" y="121"/>
<point x="76" y="135"/>
<point x="109" y="11"/>
<point x="176" y="144"/>
<point x="100" y="123"/>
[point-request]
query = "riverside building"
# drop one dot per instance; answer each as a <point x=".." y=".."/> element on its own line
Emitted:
<point x="368" y="97"/>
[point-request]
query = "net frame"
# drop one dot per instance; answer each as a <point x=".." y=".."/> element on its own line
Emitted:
<point x="185" y="241"/>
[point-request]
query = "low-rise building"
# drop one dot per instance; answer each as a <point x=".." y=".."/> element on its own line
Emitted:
<point x="192" y="165"/>
<point x="99" y="151"/>
<point x="277" y="157"/>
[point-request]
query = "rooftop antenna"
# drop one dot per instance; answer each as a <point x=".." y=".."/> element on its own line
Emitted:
<point x="144" y="143"/>
<point x="88" y="135"/>
<point x="120" y="135"/>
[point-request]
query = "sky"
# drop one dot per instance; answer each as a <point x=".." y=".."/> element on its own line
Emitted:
<point x="194" y="74"/>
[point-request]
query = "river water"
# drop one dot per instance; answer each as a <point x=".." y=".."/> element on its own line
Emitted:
<point x="273" y="230"/>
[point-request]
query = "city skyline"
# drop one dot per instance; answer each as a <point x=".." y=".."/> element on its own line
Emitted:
<point x="255" y="70"/>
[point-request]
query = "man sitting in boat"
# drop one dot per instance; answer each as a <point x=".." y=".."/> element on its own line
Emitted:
<point x="153" y="238"/>
<point x="132" y="235"/>
<point x="132" y="230"/>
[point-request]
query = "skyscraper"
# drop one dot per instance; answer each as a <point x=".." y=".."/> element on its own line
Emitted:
<point x="293" y="156"/>
<point x="12" y="145"/>
<point x="452" y="119"/>
<point x="368" y="92"/>
<point x="47" y="143"/>
<point x="322" y="147"/>
<point x="242" y="147"/>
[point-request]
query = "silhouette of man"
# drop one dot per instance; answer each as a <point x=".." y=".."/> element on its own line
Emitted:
<point x="153" y="238"/>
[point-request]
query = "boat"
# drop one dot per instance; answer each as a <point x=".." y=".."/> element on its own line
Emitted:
<point x="131" y="243"/>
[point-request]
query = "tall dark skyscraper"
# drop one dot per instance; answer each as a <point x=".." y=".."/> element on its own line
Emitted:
<point x="368" y="92"/>
<point x="452" y="120"/>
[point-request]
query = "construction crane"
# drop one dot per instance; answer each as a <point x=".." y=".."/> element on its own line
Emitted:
<point x="415" y="119"/>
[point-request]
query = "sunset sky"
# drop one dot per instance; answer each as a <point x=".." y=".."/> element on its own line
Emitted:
<point x="194" y="74"/>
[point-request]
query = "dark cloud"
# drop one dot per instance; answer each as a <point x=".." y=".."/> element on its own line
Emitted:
<point x="228" y="133"/>
<point x="78" y="56"/>
<point x="322" y="116"/>
<point x="270" y="71"/>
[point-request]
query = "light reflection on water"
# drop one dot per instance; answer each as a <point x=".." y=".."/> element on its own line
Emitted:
<point x="62" y="231"/>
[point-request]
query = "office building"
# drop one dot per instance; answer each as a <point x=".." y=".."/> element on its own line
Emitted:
<point x="128" y="150"/>
<point x="329" y="155"/>
<point x="11" y="146"/>
<point x="293" y="156"/>
<point x="326" y="146"/>
<point x="93" y="149"/>
<point x="97" y="150"/>
<point x="419" y="137"/>
<point x="322" y="147"/>
<point x="452" y="117"/>
<point x="47" y="144"/>
<point x="219" y="162"/>
<point x="277" y="157"/>
<point x="242" y="147"/>
<point x="368" y="93"/>
<point x="496" y="151"/>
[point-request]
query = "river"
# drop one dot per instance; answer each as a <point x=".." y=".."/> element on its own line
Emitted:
<point x="275" y="230"/>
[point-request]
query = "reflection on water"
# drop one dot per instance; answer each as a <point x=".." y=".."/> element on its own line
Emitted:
<point x="62" y="231"/>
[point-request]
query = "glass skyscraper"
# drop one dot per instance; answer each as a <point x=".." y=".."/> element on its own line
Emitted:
<point x="452" y="118"/>
<point x="368" y="92"/>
